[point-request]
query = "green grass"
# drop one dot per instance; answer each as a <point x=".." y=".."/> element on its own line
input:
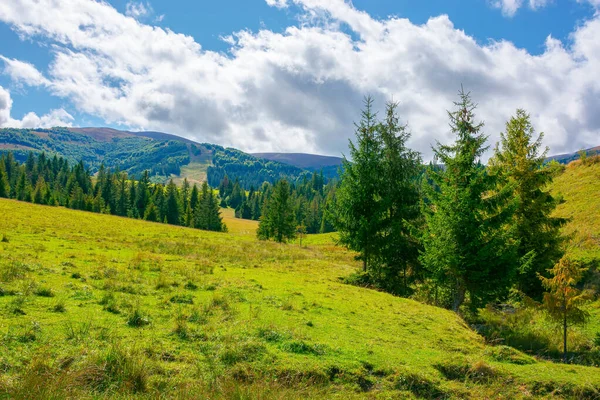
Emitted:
<point x="579" y="186"/>
<point x="140" y="309"/>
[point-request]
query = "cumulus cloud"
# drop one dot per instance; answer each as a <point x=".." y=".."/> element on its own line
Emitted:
<point x="510" y="7"/>
<point x="301" y="89"/>
<point x="22" y="72"/>
<point x="57" y="117"/>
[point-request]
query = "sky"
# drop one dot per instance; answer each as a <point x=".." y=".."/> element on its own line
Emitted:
<point x="291" y="75"/>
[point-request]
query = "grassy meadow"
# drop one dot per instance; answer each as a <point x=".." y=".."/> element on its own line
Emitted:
<point x="96" y="306"/>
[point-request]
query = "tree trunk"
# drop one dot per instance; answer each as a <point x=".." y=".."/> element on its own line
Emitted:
<point x="459" y="296"/>
<point x="565" y="335"/>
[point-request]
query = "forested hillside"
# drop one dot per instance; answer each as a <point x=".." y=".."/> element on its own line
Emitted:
<point x="165" y="156"/>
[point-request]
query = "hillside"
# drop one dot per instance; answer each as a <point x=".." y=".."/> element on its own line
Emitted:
<point x="100" y="306"/>
<point x="568" y="157"/>
<point x="164" y="155"/>
<point x="311" y="162"/>
<point x="579" y="186"/>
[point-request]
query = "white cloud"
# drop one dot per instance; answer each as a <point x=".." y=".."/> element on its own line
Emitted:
<point x="301" y="90"/>
<point x="138" y="10"/>
<point x="23" y="72"/>
<point x="510" y="7"/>
<point x="57" y="117"/>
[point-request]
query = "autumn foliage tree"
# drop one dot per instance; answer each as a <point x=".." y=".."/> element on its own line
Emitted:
<point x="563" y="301"/>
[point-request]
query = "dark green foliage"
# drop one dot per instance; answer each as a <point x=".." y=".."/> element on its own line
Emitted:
<point x="468" y="250"/>
<point x="4" y="183"/>
<point x="278" y="221"/>
<point x="55" y="182"/>
<point x="207" y="214"/>
<point x="249" y="170"/>
<point x="128" y="153"/>
<point x="520" y="165"/>
<point x="310" y="196"/>
<point x="377" y="210"/>
<point x="172" y="206"/>
<point x="359" y="207"/>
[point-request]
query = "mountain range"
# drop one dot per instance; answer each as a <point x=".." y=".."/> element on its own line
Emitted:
<point x="168" y="156"/>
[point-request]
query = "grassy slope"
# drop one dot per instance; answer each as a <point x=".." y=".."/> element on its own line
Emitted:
<point x="579" y="185"/>
<point x="268" y="320"/>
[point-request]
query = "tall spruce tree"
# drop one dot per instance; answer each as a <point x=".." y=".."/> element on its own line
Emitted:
<point x="399" y="173"/>
<point x="359" y="207"/>
<point x="519" y="162"/>
<point x="468" y="249"/>
<point x="278" y="222"/>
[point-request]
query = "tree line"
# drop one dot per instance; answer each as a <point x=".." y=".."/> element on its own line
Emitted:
<point x="53" y="181"/>
<point x="307" y="202"/>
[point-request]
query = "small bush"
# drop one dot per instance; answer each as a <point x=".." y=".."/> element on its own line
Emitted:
<point x="109" y="303"/>
<point x="4" y="238"/>
<point x="191" y="286"/>
<point x="137" y="318"/>
<point x="182" y="299"/>
<point x="59" y="306"/>
<point x="77" y="331"/>
<point x="44" y="292"/>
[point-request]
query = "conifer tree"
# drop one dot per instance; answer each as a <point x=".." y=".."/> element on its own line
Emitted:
<point x="4" y="182"/>
<point x="194" y="198"/>
<point x="143" y="194"/>
<point x="399" y="172"/>
<point x="152" y="214"/>
<point x="173" y="208"/>
<point x="563" y="301"/>
<point x="520" y="163"/>
<point x="278" y="221"/>
<point x="467" y="245"/>
<point x="359" y="209"/>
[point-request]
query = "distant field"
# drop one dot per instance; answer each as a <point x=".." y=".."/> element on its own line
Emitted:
<point x="95" y="306"/>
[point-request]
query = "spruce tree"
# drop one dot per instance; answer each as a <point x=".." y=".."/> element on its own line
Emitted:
<point x="359" y="208"/>
<point x="278" y="221"/>
<point x="520" y="164"/>
<point x="143" y="194"/>
<point x="173" y="207"/>
<point x="399" y="173"/>
<point x="4" y="182"/>
<point x="468" y="249"/>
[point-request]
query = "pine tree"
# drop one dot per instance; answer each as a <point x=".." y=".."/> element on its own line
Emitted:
<point x="4" y="182"/>
<point x="39" y="193"/>
<point x="194" y="198"/>
<point x="563" y="300"/>
<point x="399" y="172"/>
<point x="278" y="221"/>
<point x="143" y="194"/>
<point x="200" y="216"/>
<point x="467" y="245"/>
<point x="359" y="209"/>
<point x="173" y="208"/>
<point x="152" y="214"/>
<point x="520" y="164"/>
<point x="214" y="220"/>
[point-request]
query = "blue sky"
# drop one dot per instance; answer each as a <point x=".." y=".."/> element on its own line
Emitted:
<point x="239" y="81"/>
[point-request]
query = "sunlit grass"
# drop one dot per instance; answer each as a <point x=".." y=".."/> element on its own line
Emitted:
<point x="101" y="306"/>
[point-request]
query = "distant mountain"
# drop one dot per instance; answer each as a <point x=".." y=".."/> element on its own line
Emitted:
<point x="310" y="162"/>
<point x="567" y="158"/>
<point x="164" y="155"/>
